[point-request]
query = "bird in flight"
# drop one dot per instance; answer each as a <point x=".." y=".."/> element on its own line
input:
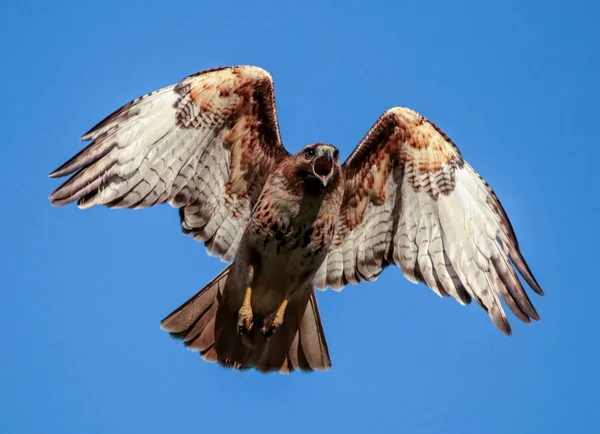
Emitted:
<point x="287" y="224"/>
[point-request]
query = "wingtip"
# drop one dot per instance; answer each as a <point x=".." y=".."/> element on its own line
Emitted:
<point x="65" y="168"/>
<point x="55" y="173"/>
<point x="57" y="195"/>
<point x="58" y="202"/>
<point x="163" y="324"/>
<point x="531" y="280"/>
<point x="61" y="171"/>
<point x="87" y="136"/>
<point x="58" y="199"/>
<point x="506" y="330"/>
<point x="52" y="196"/>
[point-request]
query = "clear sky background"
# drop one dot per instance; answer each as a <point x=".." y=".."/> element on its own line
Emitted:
<point x="514" y="83"/>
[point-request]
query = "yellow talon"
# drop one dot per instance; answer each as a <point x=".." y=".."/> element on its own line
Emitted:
<point x="280" y="313"/>
<point x="275" y="320"/>
<point x="245" y="315"/>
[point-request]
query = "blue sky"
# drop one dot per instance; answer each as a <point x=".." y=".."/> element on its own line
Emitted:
<point x="514" y="83"/>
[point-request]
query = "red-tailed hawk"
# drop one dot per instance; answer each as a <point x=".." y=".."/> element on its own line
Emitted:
<point x="210" y="146"/>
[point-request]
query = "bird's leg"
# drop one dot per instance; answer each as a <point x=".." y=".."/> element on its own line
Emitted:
<point x="245" y="315"/>
<point x="274" y="321"/>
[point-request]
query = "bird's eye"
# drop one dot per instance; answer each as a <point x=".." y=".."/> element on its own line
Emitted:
<point x="310" y="152"/>
<point x="336" y="154"/>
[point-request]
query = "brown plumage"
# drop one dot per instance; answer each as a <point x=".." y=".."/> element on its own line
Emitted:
<point x="210" y="146"/>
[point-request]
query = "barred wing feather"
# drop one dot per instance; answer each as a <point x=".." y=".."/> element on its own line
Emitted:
<point x="205" y="145"/>
<point x="411" y="200"/>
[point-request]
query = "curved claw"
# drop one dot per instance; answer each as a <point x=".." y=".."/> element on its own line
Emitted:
<point x="274" y="321"/>
<point x="245" y="322"/>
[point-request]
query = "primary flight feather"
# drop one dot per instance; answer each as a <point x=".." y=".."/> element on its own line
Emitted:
<point x="210" y="146"/>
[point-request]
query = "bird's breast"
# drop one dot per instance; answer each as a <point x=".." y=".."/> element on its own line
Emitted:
<point x="290" y="246"/>
<point x="300" y="244"/>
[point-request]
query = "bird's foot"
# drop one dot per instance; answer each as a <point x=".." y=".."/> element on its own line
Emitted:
<point x="245" y="321"/>
<point x="245" y="316"/>
<point x="272" y="322"/>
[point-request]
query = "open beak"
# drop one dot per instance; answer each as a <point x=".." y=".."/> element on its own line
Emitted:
<point x="323" y="167"/>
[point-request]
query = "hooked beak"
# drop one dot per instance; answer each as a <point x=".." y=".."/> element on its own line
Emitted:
<point x="323" y="166"/>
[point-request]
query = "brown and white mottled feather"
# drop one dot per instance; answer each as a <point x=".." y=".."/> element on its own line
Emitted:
<point x="205" y="145"/>
<point x="411" y="200"/>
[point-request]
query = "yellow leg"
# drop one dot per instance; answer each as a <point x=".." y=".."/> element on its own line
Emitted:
<point x="280" y="313"/>
<point x="245" y="316"/>
<point x="274" y="321"/>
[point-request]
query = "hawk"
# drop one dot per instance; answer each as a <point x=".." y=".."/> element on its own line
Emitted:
<point x="286" y="224"/>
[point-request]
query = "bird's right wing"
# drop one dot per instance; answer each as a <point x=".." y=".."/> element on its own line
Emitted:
<point x="205" y="145"/>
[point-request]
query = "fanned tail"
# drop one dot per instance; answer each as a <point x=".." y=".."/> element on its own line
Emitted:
<point x="205" y="324"/>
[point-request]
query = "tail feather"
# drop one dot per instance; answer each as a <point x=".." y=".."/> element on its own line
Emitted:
<point x="312" y="338"/>
<point x="188" y="320"/>
<point x="205" y="324"/>
<point x="300" y="342"/>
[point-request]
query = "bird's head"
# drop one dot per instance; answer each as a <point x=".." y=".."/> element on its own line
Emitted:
<point x="318" y="163"/>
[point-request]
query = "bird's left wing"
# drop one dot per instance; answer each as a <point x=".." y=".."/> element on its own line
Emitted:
<point x="412" y="200"/>
<point x="205" y="145"/>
